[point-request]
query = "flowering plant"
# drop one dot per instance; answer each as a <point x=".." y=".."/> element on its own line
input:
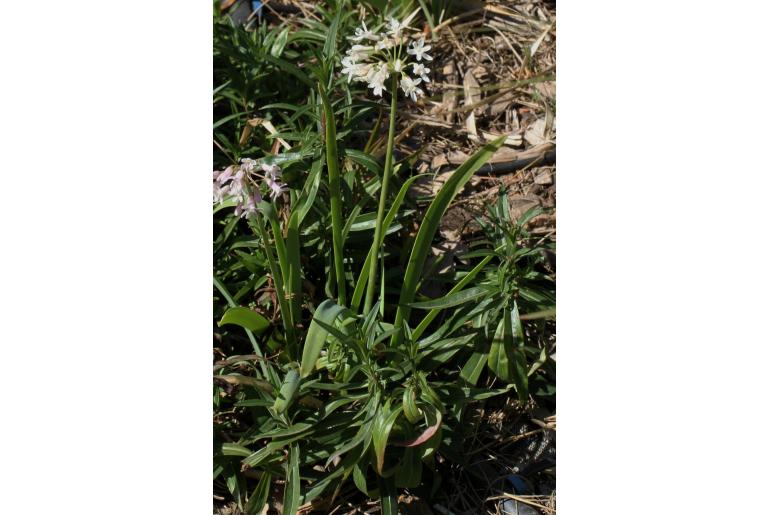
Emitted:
<point x="388" y="53"/>
<point x="240" y="184"/>
<point x="356" y="383"/>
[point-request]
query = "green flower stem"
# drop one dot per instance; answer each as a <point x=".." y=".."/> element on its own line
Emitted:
<point x="332" y="165"/>
<point x="387" y="172"/>
<point x="286" y="315"/>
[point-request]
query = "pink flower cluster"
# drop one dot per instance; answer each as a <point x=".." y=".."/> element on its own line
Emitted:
<point x="240" y="183"/>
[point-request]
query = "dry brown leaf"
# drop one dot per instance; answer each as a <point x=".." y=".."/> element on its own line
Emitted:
<point x="535" y="133"/>
<point x="438" y="161"/>
<point x="545" y="178"/>
<point x="457" y="157"/>
<point x="472" y="95"/>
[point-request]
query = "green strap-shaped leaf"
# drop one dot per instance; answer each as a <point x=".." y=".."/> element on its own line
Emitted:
<point x="258" y="499"/>
<point x="506" y="356"/>
<point x="307" y="197"/>
<point x="301" y="427"/>
<point x="335" y="193"/>
<point x="382" y="427"/>
<point x="474" y="366"/>
<point x="388" y="495"/>
<point x="358" y="293"/>
<point x="245" y="318"/>
<point x="231" y="449"/>
<point x="326" y="313"/>
<point x="458" y="287"/>
<point x="409" y="470"/>
<point x="359" y="477"/>
<point x="292" y="490"/>
<point x="330" y="45"/>
<point x="288" y="391"/>
<point x="363" y="159"/>
<point x="409" y="403"/>
<point x="455" y="299"/>
<point x="430" y="225"/>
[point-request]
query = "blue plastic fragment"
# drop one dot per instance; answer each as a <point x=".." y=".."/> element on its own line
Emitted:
<point x="256" y="6"/>
<point x="512" y="507"/>
<point x="519" y="485"/>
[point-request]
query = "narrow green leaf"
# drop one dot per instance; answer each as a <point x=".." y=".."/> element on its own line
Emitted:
<point x="358" y="293"/>
<point x="474" y="366"/>
<point x="290" y="69"/>
<point x="309" y="192"/>
<point x="409" y="470"/>
<point x="498" y="359"/>
<point x="298" y="428"/>
<point x="455" y="299"/>
<point x="258" y="499"/>
<point x="330" y="46"/>
<point x="231" y="449"/>
<point x="411" y="411"/>
<point x="364" y="159"/>
<point x="506" y="356"/>
<point x="292" y="491"/>
<point x="327" y="312"/>
<point x="335" y="194"/>
<point x="430" y="225"/>
<point x="388" y="495"/>
<point x="359" y="478"/>
<point x="246" y="318"/>
<point x="382" y="426"/>
<point x="280" y="42"/>
<point x="456" y="288"/>
<point x="288" y="390"/>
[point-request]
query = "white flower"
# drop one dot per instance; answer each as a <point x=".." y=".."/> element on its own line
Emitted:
<point x="398" y="65"/>
<point x="421" y="71"/>
<point x="354" y="70"/>
<point x="349" y="67"/>
<point x="376" y="79"/>
<point x="364" y="33"/>
<point x="385" y="44"/>
<point x="410" y="88"/>
<point x="418" y="49"/>
<point x="358" y="52"/>
<point x="395" y="27"/>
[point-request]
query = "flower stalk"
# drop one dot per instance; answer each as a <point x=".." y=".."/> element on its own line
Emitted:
<point x="387" y="172"/>
<point x="332" y="165"/>
<point x="280" y="290"/>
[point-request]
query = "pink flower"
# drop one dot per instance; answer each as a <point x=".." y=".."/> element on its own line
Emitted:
<point x="276" y="188"/>
<point x="224" y="176"/>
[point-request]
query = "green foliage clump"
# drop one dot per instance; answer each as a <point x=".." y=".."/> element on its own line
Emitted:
<point x="313" y="388"/>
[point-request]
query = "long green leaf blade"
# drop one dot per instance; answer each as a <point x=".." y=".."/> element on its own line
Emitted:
<point x="430" y="225"/>
<point x="326" y="313"/>
<point x="246" y="318"/>
<point x="454" y="299"/>
<point x="291" y="493"/>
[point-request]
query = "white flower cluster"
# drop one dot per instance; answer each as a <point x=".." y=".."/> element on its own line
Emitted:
<point x="239" y="182"/>
<point x="374" y="62"/>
